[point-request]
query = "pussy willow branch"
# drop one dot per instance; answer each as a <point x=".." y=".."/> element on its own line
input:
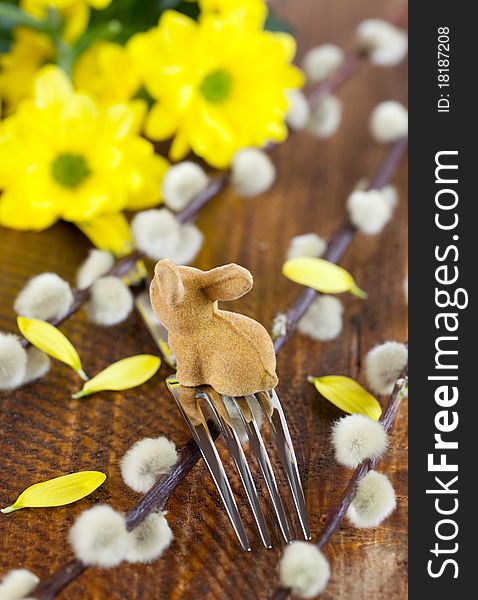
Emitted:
<point x="341" y="240"/>
<point x="350" y="66"/>
<point x="154" y="500"/>
<point x="336" y="514"/>
<point x="120" y="269"/>
<point x="189" y="455"/>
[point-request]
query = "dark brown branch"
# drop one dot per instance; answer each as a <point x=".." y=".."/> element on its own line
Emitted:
<point x="336" y="514"/>
<point x="341" y="240"/>
<point x="159" y="494"/>
<point x="49" y="588"/>
<point x="215" y="186"/>
<point x="331" y="85"/>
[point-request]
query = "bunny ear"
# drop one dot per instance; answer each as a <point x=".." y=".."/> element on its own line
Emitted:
<point x="168" y="283"/>
<point x="226" y="283"/>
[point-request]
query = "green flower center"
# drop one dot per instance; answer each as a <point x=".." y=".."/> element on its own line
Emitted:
<point x="216" y="86"/>
<point x="69" y="170"/>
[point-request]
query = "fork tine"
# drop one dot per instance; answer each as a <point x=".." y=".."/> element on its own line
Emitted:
<point x="259" y="449"/>
<point x="280" y="433"/>
<point x="235" y="448"/>
<point x="203" y="439"/>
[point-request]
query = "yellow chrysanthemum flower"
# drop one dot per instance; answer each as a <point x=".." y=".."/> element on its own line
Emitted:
<point x="30" y="50"/>
<point x="61" y="156"/>
<point x="220" y="84"/>
<point x="107" y="72"/>
<point x="75" y="12"/>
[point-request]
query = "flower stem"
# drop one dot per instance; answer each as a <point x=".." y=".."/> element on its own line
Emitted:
<point x="14" y="16"/>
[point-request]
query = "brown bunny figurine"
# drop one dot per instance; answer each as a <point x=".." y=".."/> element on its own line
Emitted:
<point x="228" y="351"/>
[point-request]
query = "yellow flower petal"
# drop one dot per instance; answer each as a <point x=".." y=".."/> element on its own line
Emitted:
<point x="76" y="18"/>
<point x="348" y="395"/>
<point x="51" y="340"/>
<point x="14" y="213"/>
<point x="107" y="71"/>
<point x="254" y="11"/>
<point x="176" y="26"/>
<point x="179" y="147"/>
<point x="58" y="491"/>
<point x="52" y="86"/>
<point x="122" y="375"/>
<point x="161" y="122"/>
<point x="126" y="119"/>
<point x="321" y="275"/>
<point x="99" y="4"/>
<point x="18" y="67"/>
<point x="109" y="232"/>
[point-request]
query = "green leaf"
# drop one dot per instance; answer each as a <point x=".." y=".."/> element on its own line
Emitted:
<point x="122" y="375"/>
<point x="275" y="23"/>
<point x="321" y="275"/>
<point x="58" y="491"/>
<point x="134" y="16"/>
<point x="190" y="9"/>
<point x="5" y="41"/>
<point x="348" y="395"/>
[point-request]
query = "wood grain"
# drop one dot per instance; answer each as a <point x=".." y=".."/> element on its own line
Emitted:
<point x="44" y="433"/>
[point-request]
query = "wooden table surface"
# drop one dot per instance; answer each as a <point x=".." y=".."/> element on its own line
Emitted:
<point x="44" y="433"/>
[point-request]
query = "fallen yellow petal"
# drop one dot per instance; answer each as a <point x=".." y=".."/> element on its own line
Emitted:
<point x="348" y="395"/>
<point x="122" y="375"/>
<point x="51" y="340"/>
<point x="58" y="491"/>
<point x="321" y="275"/>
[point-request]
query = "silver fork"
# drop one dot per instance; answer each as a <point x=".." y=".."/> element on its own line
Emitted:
<point x="273" y="414"/>
<point x="281" y="436"/>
